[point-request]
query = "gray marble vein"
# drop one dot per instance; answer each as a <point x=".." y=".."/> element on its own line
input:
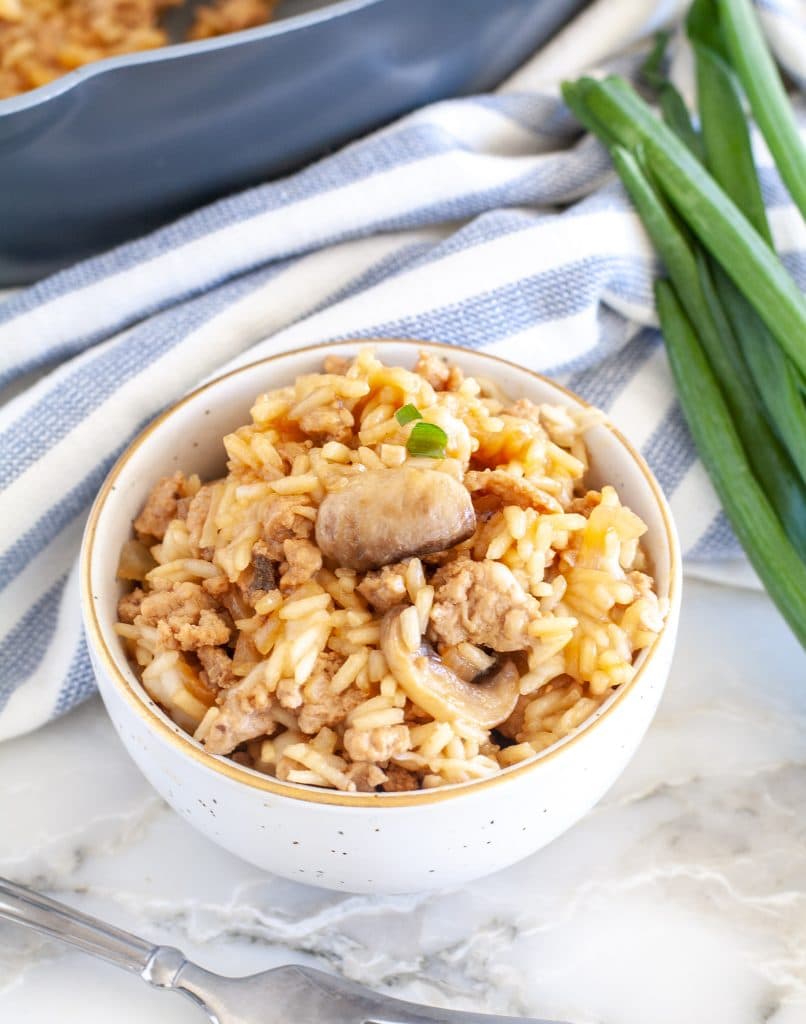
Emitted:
<point x="681" y="897"/>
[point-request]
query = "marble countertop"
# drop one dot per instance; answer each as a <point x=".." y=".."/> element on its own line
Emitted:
<point x="680" y="898"/>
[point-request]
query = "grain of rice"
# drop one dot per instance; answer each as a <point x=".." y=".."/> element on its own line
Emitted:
<point x="368" y="458"/>
<point x="379" y="703"/>
<point x="479" y="659"/>
<point x="431" y="781"/>
<point x="368" y="634"/>
<point x="269" y="603"/>
<point x="267" y="635"/>
<point x="312" y="637"/>
<point x="376" y="665"/>
<point x="301" y="608"/>
<point x="469" y="730"/>
<point x="346" y="674"/>
<point x="275" y="666"/>
<point x="423" y="603"/>
<point x="455" y="749"/>
<point x="321" y="764"/>
<point x="314" y="399"/>
<point x="429" y="740"/>
<point x="239" y="451"/>
<point x="306" y="778"/>
<point x="378" y="719"/>
<point x="184" y="701"/>
<point x="269" y="407"/>
<point x="305" y="483"/>
<point x="498" y="546"/>
<point x="414" y="577"/>
<point x="388" y="686"/>
<point x="393" y="454"/>
<point x="143" y="656"/>
<point x="515" y="754"/>
<point x="335" y="451"/>
<point x="546" y="627"/>
<point x="184" y="569"/>
<point x="410" y="629"/>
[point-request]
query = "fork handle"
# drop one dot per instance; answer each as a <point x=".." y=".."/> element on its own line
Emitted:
<point x="121" y="948"/>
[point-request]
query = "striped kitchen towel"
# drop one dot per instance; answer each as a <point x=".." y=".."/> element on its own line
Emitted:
<point x="490" y="222"/>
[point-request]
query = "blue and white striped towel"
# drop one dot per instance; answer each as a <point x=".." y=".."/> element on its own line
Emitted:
<point x="443" y="226"/>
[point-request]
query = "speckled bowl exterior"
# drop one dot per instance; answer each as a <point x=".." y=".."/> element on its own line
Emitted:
<point x="372" y="843"/>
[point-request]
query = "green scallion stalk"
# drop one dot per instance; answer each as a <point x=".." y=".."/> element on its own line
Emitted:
<point x="574" y="96"/>
<point x="774" y="375"/>
<point x="708" y="211"/>
<point x="745" y="503"/>
<point x="771" y="108"/>
<point x="729" y="156"/>
<point x="675" y="114"/>
<point x="652" y="69"/>
<point x="672" y="104"/>
<point x="408" y="413"/>
<point x="427" y="440"/>
<point x="726" y="137"/>
<point x="692" y="283"/>
<point x="702" y="24"/>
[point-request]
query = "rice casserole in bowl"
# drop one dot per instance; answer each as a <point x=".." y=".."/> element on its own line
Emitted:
<point x="402" y="582"/>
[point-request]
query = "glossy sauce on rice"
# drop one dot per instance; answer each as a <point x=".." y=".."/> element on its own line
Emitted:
<point x="339" y="612"/>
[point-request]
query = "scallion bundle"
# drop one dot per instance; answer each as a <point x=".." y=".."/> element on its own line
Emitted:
<point x="733" y="319"/>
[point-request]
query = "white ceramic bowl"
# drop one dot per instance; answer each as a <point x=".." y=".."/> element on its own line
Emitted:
<point x="391" y="842"/>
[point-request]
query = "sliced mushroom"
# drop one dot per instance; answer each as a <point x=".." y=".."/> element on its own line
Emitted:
<point x="385" y="515"/>
<point x="441" y="692"/>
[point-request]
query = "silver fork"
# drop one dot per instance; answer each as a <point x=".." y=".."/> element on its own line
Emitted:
<point x="284" y="995"/>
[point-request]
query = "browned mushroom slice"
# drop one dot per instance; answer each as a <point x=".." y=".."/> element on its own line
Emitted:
<point x="438" y="690"/>
<point x="385" y="515"/>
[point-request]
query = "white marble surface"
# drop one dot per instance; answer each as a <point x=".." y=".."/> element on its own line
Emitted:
<point x="681" y="898"/>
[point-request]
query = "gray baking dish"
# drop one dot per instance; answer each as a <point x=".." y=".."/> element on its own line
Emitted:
<point x="122" y="145"/>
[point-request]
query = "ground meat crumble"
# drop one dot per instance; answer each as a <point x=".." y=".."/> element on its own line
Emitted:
<point x="186" y="617"/>
<point x="161" y="507"/>
<point x="483" y="603"/>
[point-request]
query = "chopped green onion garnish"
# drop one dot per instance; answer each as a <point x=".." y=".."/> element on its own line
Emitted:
<point x="427" y="440"/>
<point x="407" y="414"/>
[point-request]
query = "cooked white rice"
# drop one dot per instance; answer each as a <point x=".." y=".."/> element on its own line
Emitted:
<point x="269" y="653"/>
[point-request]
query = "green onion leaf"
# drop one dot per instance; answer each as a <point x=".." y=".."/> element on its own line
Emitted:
<point x="574" y="94"/>
<point x="407" y="414"/>
<point x="776" y="379"/>
<point x="708" y="211"/>
<point x="427" y="440"/>
<point x="769" y="102"/>
<point x="693" y="284"/>
<point x="704" y="27"/>
<point x="744" y="500"/>
<point x="675" y="114"/>
<point x="730" y="161"/>
<point x="651" y="70"/>
<point x="726" y="136"/>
